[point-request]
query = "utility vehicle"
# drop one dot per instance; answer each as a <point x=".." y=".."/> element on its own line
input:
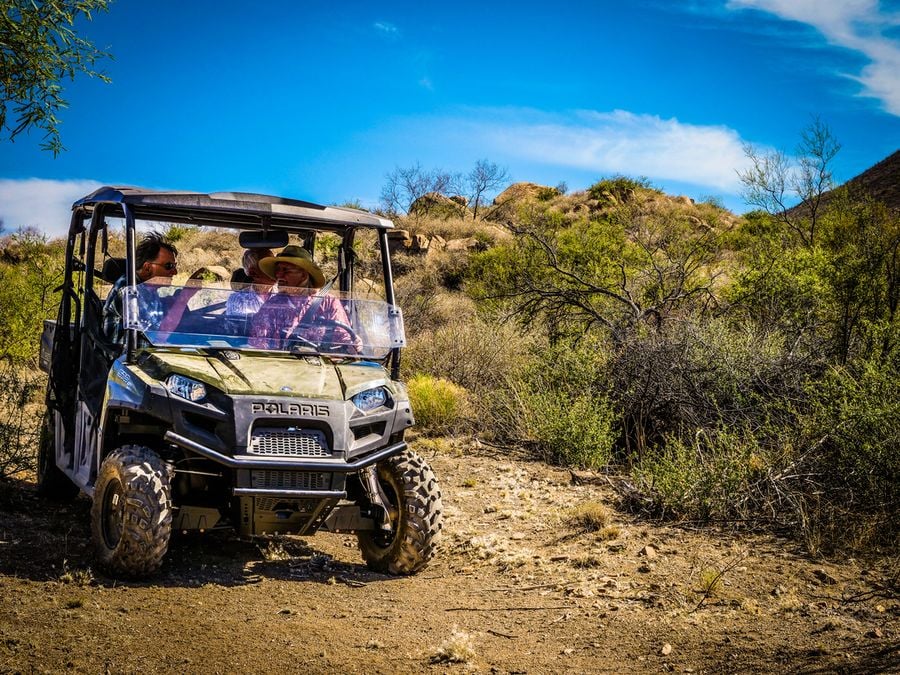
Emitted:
<point x="195" y="424"/>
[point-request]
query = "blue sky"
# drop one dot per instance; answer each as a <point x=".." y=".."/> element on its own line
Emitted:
<point x="319" y="100"/>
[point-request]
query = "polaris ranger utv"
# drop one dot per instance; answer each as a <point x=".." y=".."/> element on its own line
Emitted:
<point x="193" y="423"/>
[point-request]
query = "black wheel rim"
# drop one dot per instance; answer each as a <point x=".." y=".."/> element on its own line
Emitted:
<point x="112" y="515"/>
<point x="382" y="538"/>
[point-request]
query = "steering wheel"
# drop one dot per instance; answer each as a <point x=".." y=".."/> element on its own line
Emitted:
<point x="292" y="334"/>
<point x="332" y="324"/>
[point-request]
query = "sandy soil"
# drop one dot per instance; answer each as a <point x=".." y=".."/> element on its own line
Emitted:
<point x="516" y="587"/>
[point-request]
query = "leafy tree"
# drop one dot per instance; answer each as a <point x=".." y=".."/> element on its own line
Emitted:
<point x="615" y="272"/>
<point x="862" y="238"/>
<point x="29" y="277"/>
<point x="39" y="48"/>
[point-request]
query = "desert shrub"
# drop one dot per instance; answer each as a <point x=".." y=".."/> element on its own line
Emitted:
<point x="426" y="301"/>
<point x="619" y="187"/>
<point x="545" y="194"/>
<point x="852" y="457"/>
<point x="700" y="375"/>
<point x="556" y="405"/>
<point x="20" y="411"/>
<point x="27" y="294"/>
<point x="203" y="247"/>
<point x="568" y="430"/>
<point x="712" y="476"/>
<point x="439" y="405"/>
<point x="473" y="352"/>
<point x="176" y="232"/>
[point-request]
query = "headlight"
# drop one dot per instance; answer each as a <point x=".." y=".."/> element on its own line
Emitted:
<point x="185" y="387"/>
<point x="370" y="399"/>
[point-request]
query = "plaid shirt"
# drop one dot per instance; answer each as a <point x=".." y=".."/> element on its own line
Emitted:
<point x="282" y="314"/>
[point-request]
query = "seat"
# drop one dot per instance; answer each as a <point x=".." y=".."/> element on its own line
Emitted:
<point x="239" y="276"/>
<point x="113" y="269"/>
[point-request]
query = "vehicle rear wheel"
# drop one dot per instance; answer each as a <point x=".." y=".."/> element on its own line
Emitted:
<point x="131" y="519"/>
<point x="52" y="483"/>
<point x="416" y="514"/>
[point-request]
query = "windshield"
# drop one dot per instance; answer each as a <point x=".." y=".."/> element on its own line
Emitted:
<point x="263" y="317"/>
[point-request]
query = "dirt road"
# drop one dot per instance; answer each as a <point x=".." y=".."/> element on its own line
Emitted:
<point x="517" y="587"/>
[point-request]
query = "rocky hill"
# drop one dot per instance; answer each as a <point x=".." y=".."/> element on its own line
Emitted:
<point x="882" y="181"/>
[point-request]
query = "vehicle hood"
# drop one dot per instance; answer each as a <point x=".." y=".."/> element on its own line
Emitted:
<point x="290" y="376"/>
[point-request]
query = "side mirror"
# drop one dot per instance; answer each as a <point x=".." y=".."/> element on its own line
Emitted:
<point x="263" y="239"/>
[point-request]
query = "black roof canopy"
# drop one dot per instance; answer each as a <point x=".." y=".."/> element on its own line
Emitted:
<point x="240" y="210"/>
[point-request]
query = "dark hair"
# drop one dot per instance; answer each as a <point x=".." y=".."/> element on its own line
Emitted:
<point x="149" y="248"/>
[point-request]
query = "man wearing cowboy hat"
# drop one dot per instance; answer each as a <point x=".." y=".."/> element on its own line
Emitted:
<point x="295" y="309"/>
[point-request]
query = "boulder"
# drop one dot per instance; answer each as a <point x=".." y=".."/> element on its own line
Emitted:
<point x="419" y="243"/>
<point x="398" y="240"/>
<point x="467" y="244"/>
<point x="436" y="204"/>
<point x="522" y="191"/>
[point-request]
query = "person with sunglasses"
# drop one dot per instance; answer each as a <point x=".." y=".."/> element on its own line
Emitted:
<point x="154" y="256"/>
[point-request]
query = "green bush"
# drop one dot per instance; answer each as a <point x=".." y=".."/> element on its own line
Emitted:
<point x="439" y="405"/>
<point x="700" y="375"/>
<point x="175" y="232"/>
<point x="618" y="187"/>
<point x="21" y="407"/>
<point x="556" y="404"/>
<point x="27" y="293"/>
<point x="714" y="476"/>
<point x="475" y="353"/>
<point x="852" y="455"/>
<point x="569" y="430"/>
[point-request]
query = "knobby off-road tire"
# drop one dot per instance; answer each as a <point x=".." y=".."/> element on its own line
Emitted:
<point x="52" y="483"/>
<point x="417" y="516"/>
<point x="131" y="519"/>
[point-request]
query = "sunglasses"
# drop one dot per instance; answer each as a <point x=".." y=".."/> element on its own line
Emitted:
<point x="166" y="266"/>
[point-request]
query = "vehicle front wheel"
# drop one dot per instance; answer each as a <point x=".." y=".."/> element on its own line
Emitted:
<point x="416" y="514"/>
<point x="131" y="518"/>
<point x="52" y="483"/>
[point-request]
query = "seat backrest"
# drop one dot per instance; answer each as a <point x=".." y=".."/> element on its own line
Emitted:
<point x="239" y="276"/>
<point x="113" y="269"/>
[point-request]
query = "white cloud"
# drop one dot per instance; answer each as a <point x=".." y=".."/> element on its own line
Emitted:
<point x="386" y="28"/>
<point x="617" y="142"/>
<point x="40" y="203"/>
<point x="859" y="25"/>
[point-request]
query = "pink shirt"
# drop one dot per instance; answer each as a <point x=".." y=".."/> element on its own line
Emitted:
<point x="319" y="319"/>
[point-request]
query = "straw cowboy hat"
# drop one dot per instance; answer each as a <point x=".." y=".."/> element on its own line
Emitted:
<point x="294" y="255"/>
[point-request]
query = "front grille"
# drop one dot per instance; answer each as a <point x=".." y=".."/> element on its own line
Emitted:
<point x="289" y="480"/>
<point x="288" y="442"/>
<point x="271" y="504"/>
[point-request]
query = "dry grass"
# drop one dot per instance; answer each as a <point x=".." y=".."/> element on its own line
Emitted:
<point x="76" y="577"/>
<point x="609" y="533"/>
<point x="589" y="517"/>
<point x="710" y="582"/>
<point x="274" y="552"/>
<point x="458" y="648"/>
<point x="453" y="228"/>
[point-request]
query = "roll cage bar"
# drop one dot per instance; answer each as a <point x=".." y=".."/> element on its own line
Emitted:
<point x="230" y="210"/>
